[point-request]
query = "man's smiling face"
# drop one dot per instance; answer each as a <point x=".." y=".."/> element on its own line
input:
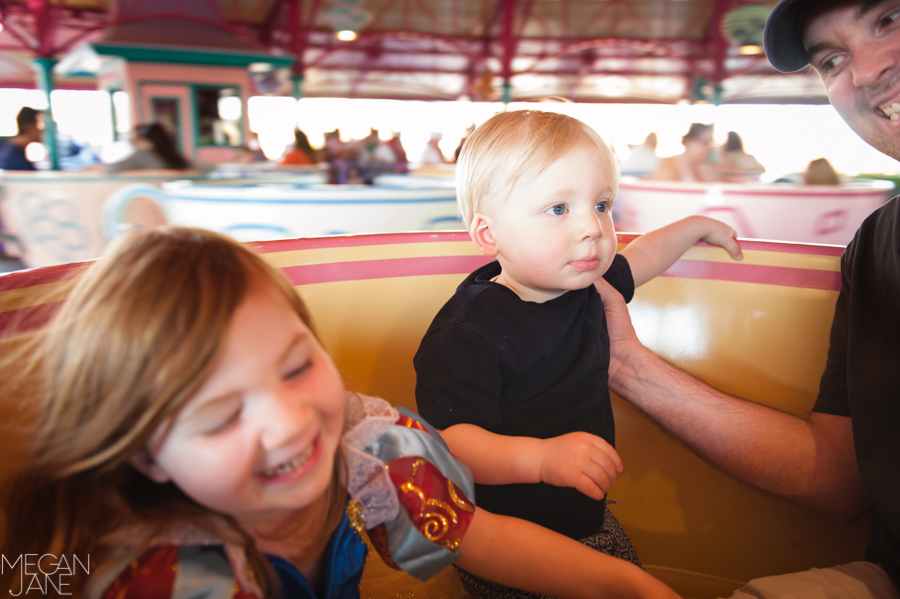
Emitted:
<point x="855" y="47"/>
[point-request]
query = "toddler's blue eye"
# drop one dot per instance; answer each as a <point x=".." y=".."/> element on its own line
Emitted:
<point x="558" y="209"/>
<point x="602" y="206"/>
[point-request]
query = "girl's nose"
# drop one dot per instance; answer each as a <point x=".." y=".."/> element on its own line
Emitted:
<point x="282" y="419"/>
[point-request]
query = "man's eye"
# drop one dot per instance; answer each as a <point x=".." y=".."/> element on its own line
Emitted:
<point x="832" y="63"/>
<point x="602" y="207"/>
<point x="890" y="19"/>
<point x="558" y="209"/>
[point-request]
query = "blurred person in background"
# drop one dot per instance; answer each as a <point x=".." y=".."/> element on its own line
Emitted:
<point x="154" y="149"/>
<point x="462" y="141"/>
<point x="643" y="159"/>
<point x="30" y="129"/>
<point x="432" y="153"/>
<point x="693" y="164"/>
<point x="401" y="163"/>
<point x="820" y="172"/>
<point x="735" y="165"/>
<point x="378" y="157"/>
<point x="301" y="152"/>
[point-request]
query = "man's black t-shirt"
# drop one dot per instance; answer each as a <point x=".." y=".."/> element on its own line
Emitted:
<point x="527" y="369"/>
<point x="862" y="376"/>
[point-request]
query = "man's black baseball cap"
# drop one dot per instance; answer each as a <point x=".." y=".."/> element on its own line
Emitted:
<point x="783" y="44"/>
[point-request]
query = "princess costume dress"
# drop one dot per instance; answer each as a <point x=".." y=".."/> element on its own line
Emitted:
<point x="405" y="490"/>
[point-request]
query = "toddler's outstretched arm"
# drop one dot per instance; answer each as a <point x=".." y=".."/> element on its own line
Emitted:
<point x="524" y="555"/>
<point x="654" y="252"/>
<point x="580" y="460"/>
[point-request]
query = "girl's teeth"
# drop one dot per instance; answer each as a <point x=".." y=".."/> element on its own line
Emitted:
<point x="289" y="466"/>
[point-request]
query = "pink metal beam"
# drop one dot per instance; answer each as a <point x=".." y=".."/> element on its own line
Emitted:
<point x="508" y="38"/>
<point x="700" y="14"/>
<point x="634" y="15"/>
<point x="604" y="6"/>
<point x="429" y="14"/>
<point x="223" y="26"/>
<point x="719" y="45"/>
<point x="368" y="37"/>
<point x="43" y="26"/>
<point x="23" y="35"/>
<point x="376" y="21"/>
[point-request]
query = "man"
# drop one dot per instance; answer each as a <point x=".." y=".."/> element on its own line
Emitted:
<point x="835" y="463"/>
<point x="12" y="155"/>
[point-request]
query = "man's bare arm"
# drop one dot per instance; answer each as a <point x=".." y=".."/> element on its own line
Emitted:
<point x="810" y="462"/>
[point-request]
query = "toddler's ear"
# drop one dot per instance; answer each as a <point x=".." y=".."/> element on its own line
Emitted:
<point x="480" y="231"/>
<point x="143" y="462"/>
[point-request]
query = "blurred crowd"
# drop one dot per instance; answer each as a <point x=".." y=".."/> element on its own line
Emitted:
<point x="360" y="161"/>
<point x="702" y="161"/>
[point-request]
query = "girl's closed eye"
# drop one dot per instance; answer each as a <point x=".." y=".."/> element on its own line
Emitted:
<point x="298" y="370"/>
<point x="218" y="416"/>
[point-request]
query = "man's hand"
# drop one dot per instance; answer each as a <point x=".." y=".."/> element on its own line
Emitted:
<point x="622" y="338"/>
<point x="582" y="461"/>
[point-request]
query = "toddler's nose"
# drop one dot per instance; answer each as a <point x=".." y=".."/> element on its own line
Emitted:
<point x="590" y="227"/>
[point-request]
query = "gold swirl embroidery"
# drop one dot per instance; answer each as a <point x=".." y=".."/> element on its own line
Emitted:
<point x="459" y="501"/>
<point x="435" y="524"/>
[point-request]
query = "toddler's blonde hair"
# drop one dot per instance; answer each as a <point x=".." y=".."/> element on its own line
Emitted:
<point x="512" y="144"/>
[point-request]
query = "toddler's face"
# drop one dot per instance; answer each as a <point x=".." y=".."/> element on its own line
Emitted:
<point x="555" y="231"/>
<point x="258" y="438"/>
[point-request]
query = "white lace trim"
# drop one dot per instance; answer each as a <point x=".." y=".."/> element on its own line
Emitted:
<point x="367" y="419"/>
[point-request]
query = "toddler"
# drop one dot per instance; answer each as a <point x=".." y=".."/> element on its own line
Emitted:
<point x="195" y="439"/>
<point x="514" y="367"/>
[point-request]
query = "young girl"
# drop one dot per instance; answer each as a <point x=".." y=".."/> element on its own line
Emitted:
<point x="194" y="439"/>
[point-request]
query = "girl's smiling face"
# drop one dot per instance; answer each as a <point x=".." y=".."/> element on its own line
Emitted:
<point x="258" y="439"/>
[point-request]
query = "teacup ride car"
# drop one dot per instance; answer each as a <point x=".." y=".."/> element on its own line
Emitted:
<point x="757" y="329"/>
<point x="55" y="217"/>
<point x="779" y="211"/>
<point x="283" y="208"/>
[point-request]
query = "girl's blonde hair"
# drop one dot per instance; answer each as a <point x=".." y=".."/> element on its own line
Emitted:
<point x="138" y="334"/>
<point x="512" y="144"/>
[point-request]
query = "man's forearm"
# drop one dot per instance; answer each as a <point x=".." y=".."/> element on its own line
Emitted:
<point x="810" y="462"/>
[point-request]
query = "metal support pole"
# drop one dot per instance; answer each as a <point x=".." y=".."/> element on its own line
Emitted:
<point x="297" y="86"/>
<point x="509" y="47"/>
<point x="44" y="69"/>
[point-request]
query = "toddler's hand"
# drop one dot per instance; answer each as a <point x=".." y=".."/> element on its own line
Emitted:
<point x="722" y="235"/>
<point x="582" y="461"/>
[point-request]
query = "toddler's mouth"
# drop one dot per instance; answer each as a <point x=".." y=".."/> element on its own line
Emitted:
<point x="585" y="263"/>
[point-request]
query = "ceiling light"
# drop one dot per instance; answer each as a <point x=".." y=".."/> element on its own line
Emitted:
<point x="346" y="35"/>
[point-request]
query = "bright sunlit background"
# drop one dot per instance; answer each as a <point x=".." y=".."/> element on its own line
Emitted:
<point x="784" y="138"/>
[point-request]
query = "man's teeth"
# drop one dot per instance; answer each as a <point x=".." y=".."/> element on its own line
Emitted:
<point x="289" y="466"/>
<point x="892" y="112"/>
